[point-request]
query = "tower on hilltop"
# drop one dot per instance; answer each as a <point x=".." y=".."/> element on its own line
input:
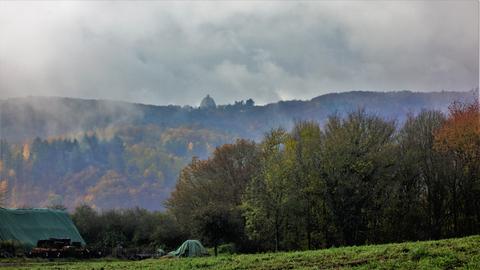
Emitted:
<point x="207" y="103"/>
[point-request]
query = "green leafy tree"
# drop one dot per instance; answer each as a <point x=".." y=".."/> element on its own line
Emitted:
<point x="426" y="167"/>
<point x="307" y="210"/>
<point x="266" y="198"/>
<point x="357" y="164"/>
<point x="215" y="224"/>
<point x="221" y="180"/>
<point x="88" y="223"/>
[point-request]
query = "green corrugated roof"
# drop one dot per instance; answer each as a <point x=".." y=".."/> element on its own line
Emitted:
<point x="30" y="225"/>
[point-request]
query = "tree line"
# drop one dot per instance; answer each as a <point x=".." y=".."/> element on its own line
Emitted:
<point x="357" y="180"/>
<point x="354" y="180"/>
<point x="133" y="229"/>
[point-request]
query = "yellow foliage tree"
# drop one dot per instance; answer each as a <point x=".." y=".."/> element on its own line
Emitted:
<point x="3" y="192"/>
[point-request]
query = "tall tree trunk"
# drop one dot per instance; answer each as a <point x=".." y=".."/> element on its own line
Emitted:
<point x="455" y="208"/>
<point x="325" y="223"/>
<point x="309" y="229"/>
<point x="277" y="233"/>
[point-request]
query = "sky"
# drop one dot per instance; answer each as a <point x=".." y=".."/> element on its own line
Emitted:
<point x="157" y="52"/>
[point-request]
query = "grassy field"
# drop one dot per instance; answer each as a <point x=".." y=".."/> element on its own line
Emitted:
<point x="461" y="253"/>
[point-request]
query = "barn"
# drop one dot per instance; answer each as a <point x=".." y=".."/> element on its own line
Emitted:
<point x="28" y="226"/>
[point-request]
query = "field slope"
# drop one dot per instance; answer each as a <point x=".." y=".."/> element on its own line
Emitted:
<point x="460" y="253"/>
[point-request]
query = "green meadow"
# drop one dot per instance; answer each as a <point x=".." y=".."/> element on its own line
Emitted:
<point x="459" y="253"/>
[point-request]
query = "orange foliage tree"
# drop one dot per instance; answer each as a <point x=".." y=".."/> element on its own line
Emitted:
<point x="459" y="140"/>
<point x="460" y="134"/>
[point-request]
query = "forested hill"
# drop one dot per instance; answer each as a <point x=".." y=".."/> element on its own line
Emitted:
<point x="26" y="118"/>
<point x="64" y="151"/>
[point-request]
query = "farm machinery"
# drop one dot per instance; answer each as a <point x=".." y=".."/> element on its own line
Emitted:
<point x="58" y="248"/>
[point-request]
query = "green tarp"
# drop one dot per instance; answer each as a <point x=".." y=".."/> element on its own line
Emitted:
<point x="27" y="226"/>
<point x="190" y="248"/>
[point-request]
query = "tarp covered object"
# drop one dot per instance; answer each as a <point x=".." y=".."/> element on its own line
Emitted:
<point x="30" y="225"/>
<point x="190" y="248"/>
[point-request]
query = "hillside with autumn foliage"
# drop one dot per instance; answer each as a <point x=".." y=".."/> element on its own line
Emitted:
<point x="136" y="166"/>
<point x="65" y="152"/>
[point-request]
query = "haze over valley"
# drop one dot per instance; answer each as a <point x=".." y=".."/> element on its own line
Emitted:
<point x="158" y="130"/>
<point x="112" y="154"/>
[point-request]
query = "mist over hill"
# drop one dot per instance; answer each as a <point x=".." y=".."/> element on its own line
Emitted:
<point x="108" y="154"/>
<point x="26" y="118"/>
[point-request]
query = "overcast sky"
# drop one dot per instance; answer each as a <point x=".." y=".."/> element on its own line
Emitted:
<point x="176" y="53"/>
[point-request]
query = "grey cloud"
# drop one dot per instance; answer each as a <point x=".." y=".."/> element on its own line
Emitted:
<point x="162" y="53"/>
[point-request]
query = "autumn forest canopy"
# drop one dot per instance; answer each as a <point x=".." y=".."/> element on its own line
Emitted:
<point x="65" y="151"/>
<point x="338" y="178"/>
<point x="276" y="134"/>
<point x="357" y="180"/>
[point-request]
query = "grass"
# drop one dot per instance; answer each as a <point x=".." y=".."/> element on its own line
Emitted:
<point x="460" y="253"/>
